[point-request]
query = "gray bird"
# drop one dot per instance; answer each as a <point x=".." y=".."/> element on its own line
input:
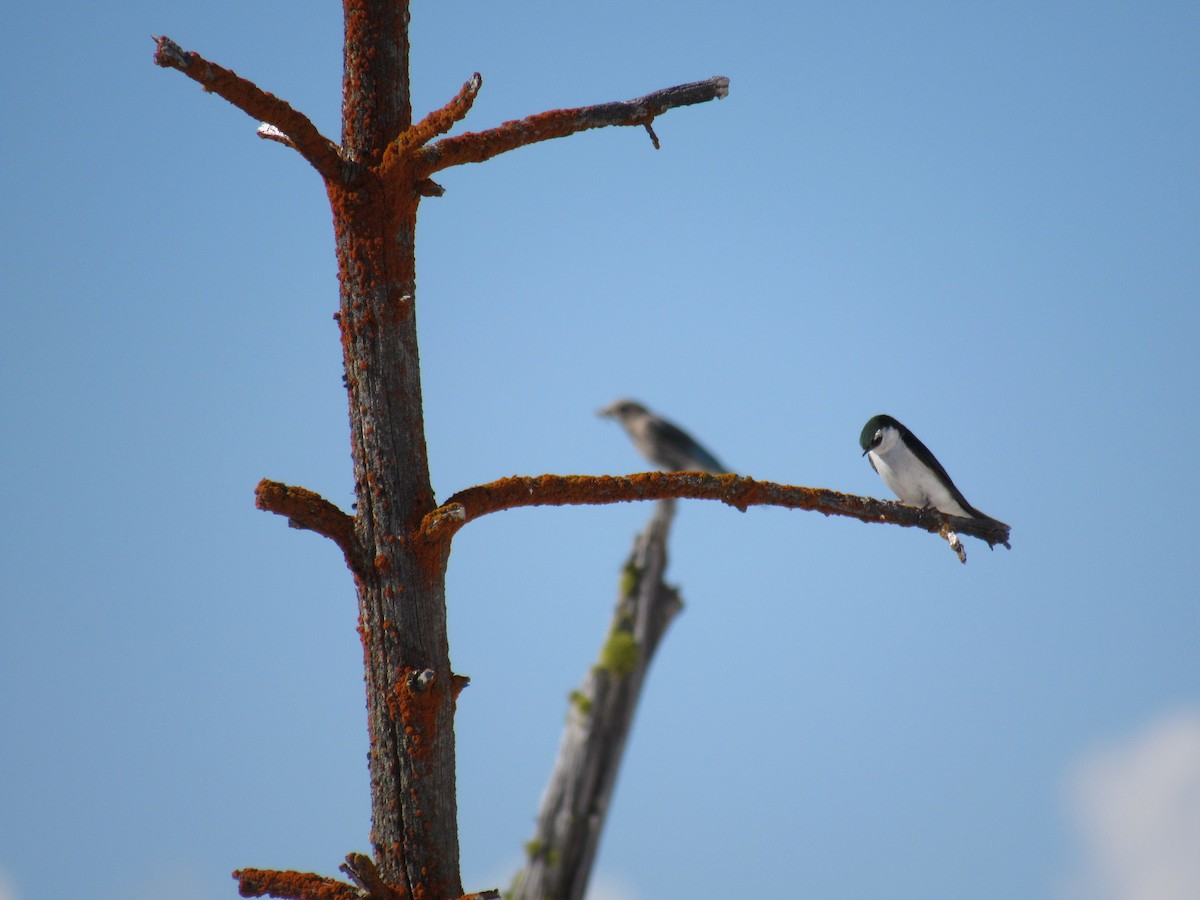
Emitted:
<point x="663" y="443"/>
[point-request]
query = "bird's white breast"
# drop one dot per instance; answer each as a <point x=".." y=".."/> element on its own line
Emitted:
<point x="909" y="478"/>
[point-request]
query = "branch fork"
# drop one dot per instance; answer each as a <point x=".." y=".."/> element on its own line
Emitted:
<point x="410" y="155"/>
<point x="473" y="147"/>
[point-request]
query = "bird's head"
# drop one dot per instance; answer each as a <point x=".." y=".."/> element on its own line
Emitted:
<point x="876" y="431"/>
<point x="622" y="410"/>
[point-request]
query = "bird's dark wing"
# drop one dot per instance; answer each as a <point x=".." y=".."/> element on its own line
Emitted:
<point x="923" y="453"/>
<point x="679" y="449"/>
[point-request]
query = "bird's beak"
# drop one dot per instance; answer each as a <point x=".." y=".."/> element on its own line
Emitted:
<point x="865" y="452"/>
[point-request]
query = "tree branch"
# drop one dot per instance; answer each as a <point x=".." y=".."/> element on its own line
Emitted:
<point x="442" y="120"/>
<point x="293" y="885"/>
<point x="579" y="794"/>
<point x="399" y="154"/>
<point x="301" y="134"/>
<point x="360" y="869"/>
<point x="309" y="510"/>
<point x="734" y="490"/>
<point x="474" y="147"/>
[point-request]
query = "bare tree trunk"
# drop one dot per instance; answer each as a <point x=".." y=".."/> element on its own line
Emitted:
<point x="401" y="589"/>
<point x="599" y="719"/>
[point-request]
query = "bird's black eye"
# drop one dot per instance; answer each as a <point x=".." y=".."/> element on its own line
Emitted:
<point x="878" y="439"/>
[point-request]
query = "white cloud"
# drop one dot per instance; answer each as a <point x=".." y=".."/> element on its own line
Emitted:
<point x="604" y="886"/>
<point x="8" y="890"/>
<point x="1136" y="805"/>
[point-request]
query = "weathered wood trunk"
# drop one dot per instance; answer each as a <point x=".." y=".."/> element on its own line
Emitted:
<point x="401" y="588"/>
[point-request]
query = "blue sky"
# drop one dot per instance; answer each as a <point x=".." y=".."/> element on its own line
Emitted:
<point x="979" y="218"/>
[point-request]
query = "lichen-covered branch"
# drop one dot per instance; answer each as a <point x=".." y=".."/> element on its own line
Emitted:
<point x="398" y="166"/>
<point x="309" y="510"/>
<point x="358" y="867"/>
<point x="478" y="146"/>
<point x="442" y="120"/>
<point x="599" y="718"/>
<point x="293" y="886"/>
<point x="301" y="133"/>
<point x="737" y="491"/>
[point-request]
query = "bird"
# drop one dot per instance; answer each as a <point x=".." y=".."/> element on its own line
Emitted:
<point x="663" y="443"/>
<point x="911" y="471"/>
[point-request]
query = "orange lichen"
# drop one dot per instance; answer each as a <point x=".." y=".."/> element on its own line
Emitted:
<point x="303" y="885"/>
<point x="441" y="524"/>
<point x="302" y="134"/>
<point x="416" y="706"/>
<point x="473" y="147"/>
<point x="307" y="509"/>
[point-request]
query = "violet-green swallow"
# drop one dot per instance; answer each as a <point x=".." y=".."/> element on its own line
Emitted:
<point x="911" y="471"/>
<point x="663" y="443"/>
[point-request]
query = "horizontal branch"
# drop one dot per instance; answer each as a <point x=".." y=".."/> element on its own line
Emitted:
<point x="321" y="153"/>
<point x="293" y="885"/>
<point x="309" y="510"/>
<point x="478" y="146"/>
<point x="359" y="867"/>
<point x="737" y="491"/>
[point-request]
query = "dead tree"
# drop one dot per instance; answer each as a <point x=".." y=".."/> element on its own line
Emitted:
<point x="397" y="542"/>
